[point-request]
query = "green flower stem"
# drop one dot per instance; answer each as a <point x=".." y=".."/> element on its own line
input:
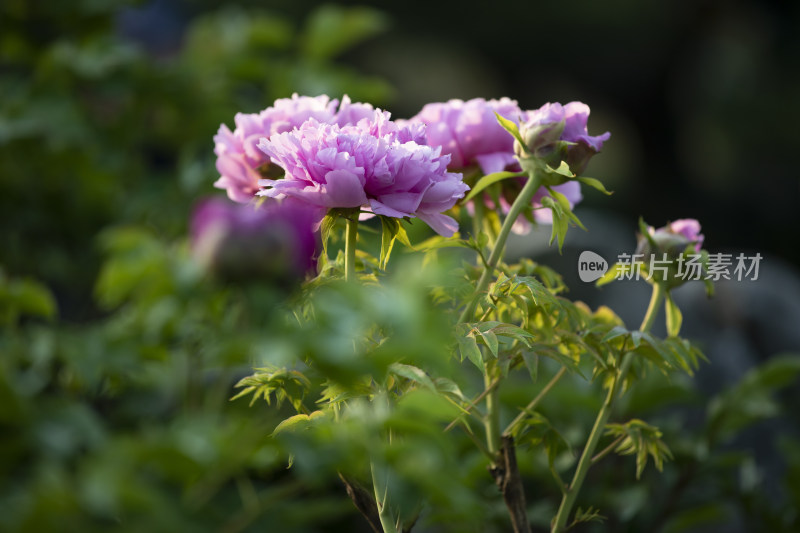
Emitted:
<point x="524" y="199"/>
<point x="492" y="421"/>
<point x="350" y="247"/>
<point x="477" y="219"/>
<point x="381" y="500"/>
<point x="568" y="501"/>
<point x="657" y="298"/>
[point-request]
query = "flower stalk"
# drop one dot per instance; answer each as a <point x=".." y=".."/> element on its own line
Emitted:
<point x="585" y="462"/>
<point x="524" y="199"/>
<point x="350" y="247"/>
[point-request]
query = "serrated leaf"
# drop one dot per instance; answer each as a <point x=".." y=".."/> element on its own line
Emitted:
<point x="490" y="179"/>
<point x="642" y="440"/>
<point x="468" y="348"/>
<point x="490" y="340"/>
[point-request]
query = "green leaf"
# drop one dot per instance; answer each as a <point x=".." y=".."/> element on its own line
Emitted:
<point x="596" y="184"/>
<point x="412" y="373"/>
<point x="674" y="316"/>
<point x="326" y="227"/>
<point x="614" y="272"/>
<point x="537" y="430"/>
<point x="391" y="229"/>
<point x="644" y="230"/>
<point x="589" y="515"/>
<point x="449" y="387"/>
<point x="532" y="364"/>
<point x="388" y="235"/>
<point x="560" y="222"/>
<point x="490" y="340"/>
<point x="296" y="422"/>
<point x="565" y="207"/>
<point x="468" y="347"/>
<point x="752" y="399"/>
<point x="511" y="128"/>
<point x="437" y="241"/>
<point x="615" y="332"/>
<point x="562" y="170"/>
<point x="491" y="179"/>
<point x="641" y="439"/>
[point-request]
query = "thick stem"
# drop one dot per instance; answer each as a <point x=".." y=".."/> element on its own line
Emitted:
<point x="492" y="421"/>
<point x="524" y="199"/>
<point x="350" y="247"/>
<point x="508" y="480"/>
<point x="364" y="502"/>
<point x="568" y="501"/>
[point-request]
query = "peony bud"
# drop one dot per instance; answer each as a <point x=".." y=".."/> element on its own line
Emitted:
<point x="555" y="133"/>
<point x="663" y="250"/>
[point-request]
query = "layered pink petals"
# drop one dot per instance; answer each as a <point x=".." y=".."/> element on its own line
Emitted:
<point x="375" y="164"/>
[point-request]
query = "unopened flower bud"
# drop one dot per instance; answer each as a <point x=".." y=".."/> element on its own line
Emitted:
<point x="555" y="133"/>
<point x="663" y="250"/>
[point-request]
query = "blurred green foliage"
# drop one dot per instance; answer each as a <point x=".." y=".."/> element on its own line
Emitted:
<point x="96" y="131"/>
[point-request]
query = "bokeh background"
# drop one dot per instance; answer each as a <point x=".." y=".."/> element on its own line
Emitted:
<point x="107" y="113"/>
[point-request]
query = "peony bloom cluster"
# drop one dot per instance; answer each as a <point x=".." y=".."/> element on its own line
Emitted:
<point x="375" y="164"/>
<point x="470" y="133"/>
<point x="242" y="242"/>
<point x="239" y="161"/>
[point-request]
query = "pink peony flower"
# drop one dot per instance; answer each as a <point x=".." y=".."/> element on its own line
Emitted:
<point x="469" y="132"/>
<point x="375" y="164"/>
<point x="239" y="161"/>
